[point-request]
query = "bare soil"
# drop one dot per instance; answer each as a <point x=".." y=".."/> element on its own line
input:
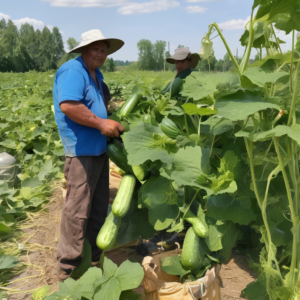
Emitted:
<point x="39" y="252"/>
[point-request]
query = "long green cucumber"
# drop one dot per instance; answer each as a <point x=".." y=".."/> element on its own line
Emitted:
<point x="191" y="251"/>
<point x="200" y="227"/>
<point x="117" y="156"/>
<point x="124" y="195"/>
<point x="108" y="232"/>
<point x="129" y="105"/>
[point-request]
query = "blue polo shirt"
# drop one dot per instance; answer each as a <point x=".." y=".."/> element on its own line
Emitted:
<point x="73" y="81"/>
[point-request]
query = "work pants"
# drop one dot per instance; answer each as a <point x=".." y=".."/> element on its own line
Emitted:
<point x="84" y="210"/>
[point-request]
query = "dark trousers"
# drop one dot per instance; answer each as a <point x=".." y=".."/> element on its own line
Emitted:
<point x="84" y="210"/>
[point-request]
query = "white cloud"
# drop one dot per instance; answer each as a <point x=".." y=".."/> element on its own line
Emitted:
<point x="35" y="23"/>
<point x="234" y="24"/>
<point x="88" y="3"/>
<point x="147" y="7"/>
<point x="196" y="9"/>
<point x="4" y="16"/>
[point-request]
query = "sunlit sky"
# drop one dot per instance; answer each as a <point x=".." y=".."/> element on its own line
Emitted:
<point x="177" y="22"/>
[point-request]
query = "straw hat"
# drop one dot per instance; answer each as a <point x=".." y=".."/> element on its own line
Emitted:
<point x="183" y="53"/>
<point x="95" y="35"/>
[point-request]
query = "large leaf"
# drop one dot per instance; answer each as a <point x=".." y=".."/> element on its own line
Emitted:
<point x="46" y="169"/>
<point x="226" y="207"/>
<point x="190" y="166"/>
<point x="110" y="290"/>
<point x="241" y="105"/>
<point x="147" y="142"/>
<point x="129" y="275"/>
<point x="8" y="262"/>
<point x="264" y="74"/>
<point x="159" y="196"/>
<point x="199" y="85"/>
<point x="293" y="132"/>
<point x="172" y="265"/>
<point x="257" y="291"/>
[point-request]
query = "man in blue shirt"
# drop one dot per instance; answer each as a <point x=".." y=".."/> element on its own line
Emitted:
<point x="81" y="117"/>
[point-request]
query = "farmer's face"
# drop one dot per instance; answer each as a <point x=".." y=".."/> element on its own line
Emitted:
<point x="182" y="65"/>
<point x="95" y="55"/>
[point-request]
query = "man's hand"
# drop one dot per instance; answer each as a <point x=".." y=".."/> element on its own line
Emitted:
<point x="80" y="114"/>
<point x="110" y="128"/>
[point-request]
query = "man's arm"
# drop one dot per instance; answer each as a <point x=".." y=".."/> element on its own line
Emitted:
<point x="80" y="114"/>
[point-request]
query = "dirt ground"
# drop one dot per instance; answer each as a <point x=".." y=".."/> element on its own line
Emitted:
<point x="42" y="232"/>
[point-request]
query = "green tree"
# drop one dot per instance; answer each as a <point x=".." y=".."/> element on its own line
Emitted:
<point x="46" y="55"/>
<point x="159" y="49"/>
<point x="180" y="46"/>
<point x="72" y="43"/>
<point x="146" y="59"/>
<point x="58" y="43"/>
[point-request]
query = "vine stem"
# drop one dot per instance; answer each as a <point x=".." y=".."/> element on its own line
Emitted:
<point x="291" y="70"/>
<point x="294" y="99"/>
<point x="246" y="56"/>
<point x="271" y="255"/>
<point x="294" y="218"/>
<point x="227" y="48"/>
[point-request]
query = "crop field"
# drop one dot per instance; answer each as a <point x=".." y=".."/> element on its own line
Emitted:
<point x="214" y="170"/>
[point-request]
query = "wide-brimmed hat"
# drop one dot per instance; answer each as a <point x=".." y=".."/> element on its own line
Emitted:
<point x="183" y="53"/>
<point x="95" y="35"/>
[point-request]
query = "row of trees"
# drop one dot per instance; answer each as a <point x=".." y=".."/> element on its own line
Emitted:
<point x="152" y="56"/>
<point x="26" y="49"/>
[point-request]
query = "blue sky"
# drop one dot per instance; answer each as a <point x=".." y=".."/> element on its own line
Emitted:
<point x="176" y="21"/>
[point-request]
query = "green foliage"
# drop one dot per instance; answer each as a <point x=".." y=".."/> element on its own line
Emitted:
<point x="109" y="284"/>
<point x="26" y="49"/>
<point x="8" y="262"/>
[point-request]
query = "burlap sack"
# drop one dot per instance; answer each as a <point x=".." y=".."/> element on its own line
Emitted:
<point x="159" y="285"/>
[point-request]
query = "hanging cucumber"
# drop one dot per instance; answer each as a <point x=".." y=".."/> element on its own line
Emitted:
<point x="200" y="227"/>
<point x="124" y="195"/>
<point x="169" y="128"/>
<point x="192" y="255"/>
<point x="129" y="105"/>
<point x="108" y="232"/>
<point x="117" y="156"/>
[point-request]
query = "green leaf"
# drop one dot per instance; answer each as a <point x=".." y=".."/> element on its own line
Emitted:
<point x="46" y="169"/>
<point x="110" y="290"/>
<point x="8" y="262"/>
<point x="264" y="74"/>
<point x="129" y="275"/>
<point x="241" y="105"/>
<point x="159" y="196"/>
<point x="228" y="208"/>
<point x="4" y="229"/>
<point x="190" y="166"/>
<point x="293" y="132"/>
<point x="85" y="262"/>
<point x="172" y="265"/>
<point x="129" y="295"/>
<point x="214" y="238"/>
<point x="200" y="85"/>
<point x="86" y="283"/>
<point x="41" y="293"/>
<point x="109" y="268"/>
<point x="26" y="192"/>
<point x="31" y="182"/>
<point x="147" y="142"/>
<point x="257" y="291"/>
<point x="230" y="233"/>
<point x="8" y="143"/>
<point x="216" y="126"/>
<point x="192" y="109"/>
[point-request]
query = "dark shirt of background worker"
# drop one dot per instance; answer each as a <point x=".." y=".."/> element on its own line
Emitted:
<point x="184" y="61"/>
